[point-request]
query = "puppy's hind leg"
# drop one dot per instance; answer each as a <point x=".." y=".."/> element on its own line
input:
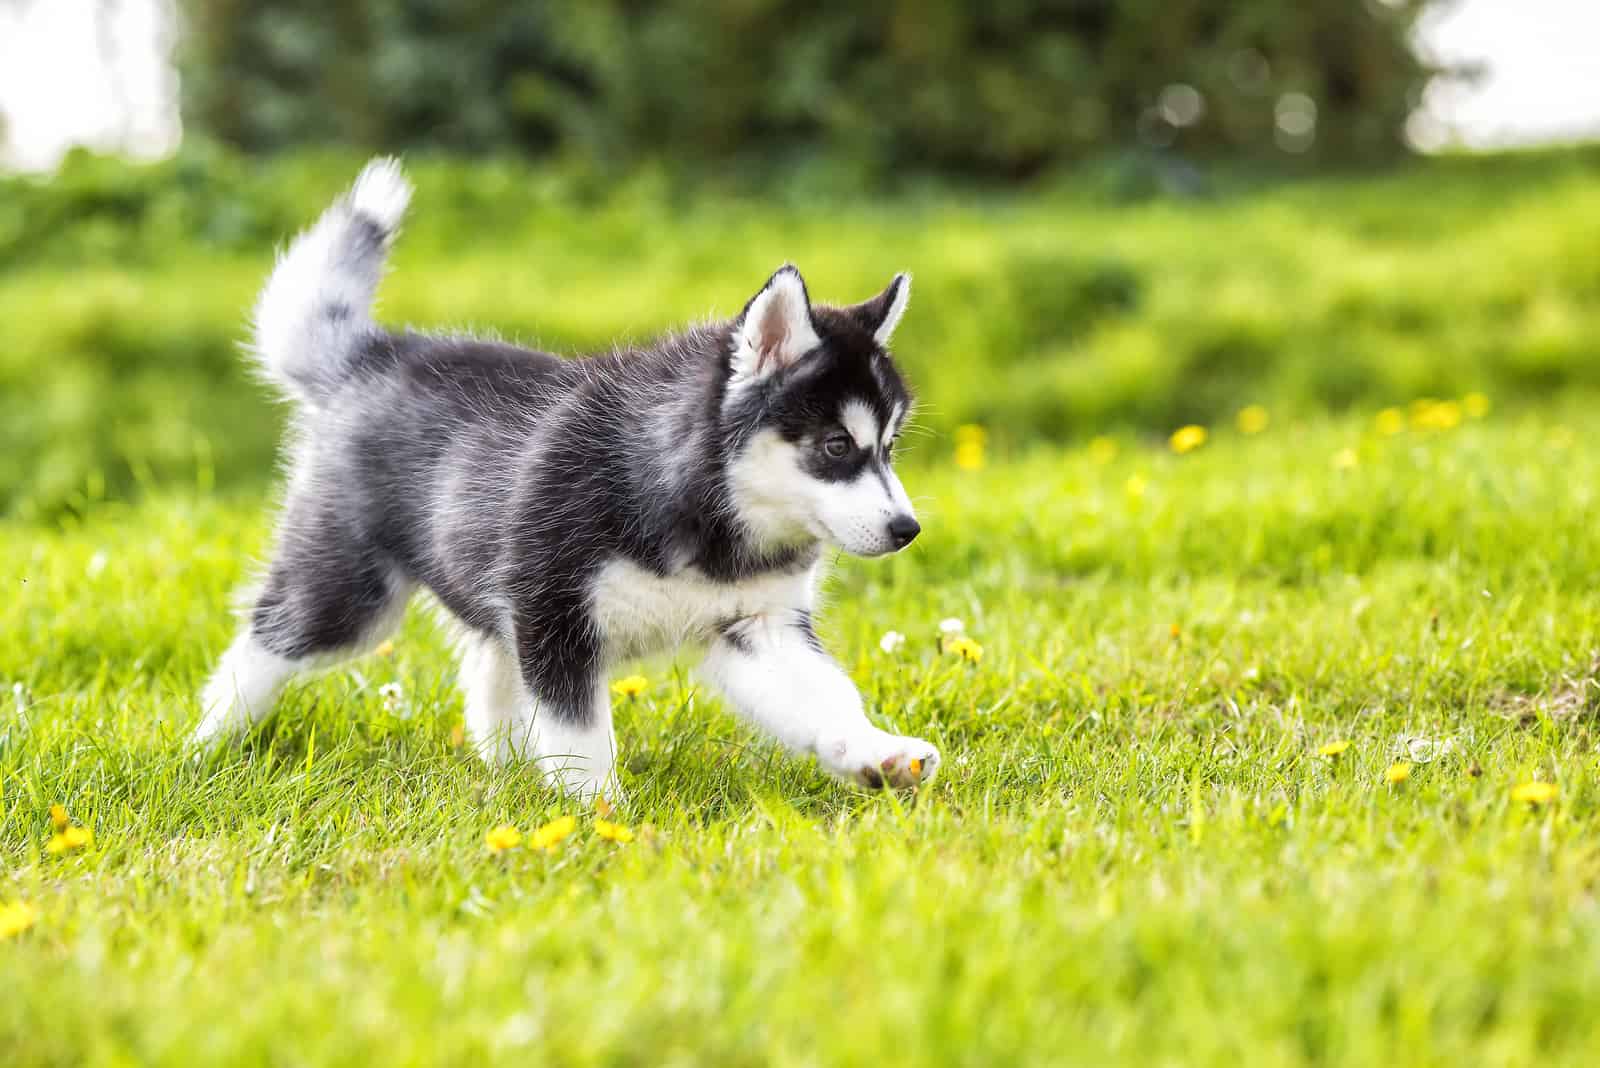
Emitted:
<point x="242" y="690"/>
<point x="311" y="614"/>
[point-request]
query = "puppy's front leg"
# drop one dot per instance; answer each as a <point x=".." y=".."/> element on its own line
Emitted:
<point x="774" y="671"/>
<point x="567" y="731"/>
<point x="578" y="755"/>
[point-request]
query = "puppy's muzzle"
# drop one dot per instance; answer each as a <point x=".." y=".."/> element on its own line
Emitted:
<point x="903" y="530"/>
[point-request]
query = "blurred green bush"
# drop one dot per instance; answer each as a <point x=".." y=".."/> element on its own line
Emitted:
<point x="1057" y="314"/>
<point x="1000" y="88"/>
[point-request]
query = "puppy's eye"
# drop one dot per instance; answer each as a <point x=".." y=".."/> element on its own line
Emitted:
<point x="837" y="446"/>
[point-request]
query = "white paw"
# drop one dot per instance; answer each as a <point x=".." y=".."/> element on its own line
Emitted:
<point x="589" y="791"/>
<point x="880" y="759"/>
<point x="203" y="744"/>
<point x="577" y="781"/>
<point x="225" y="719"/>
<point x="494" y="748"/>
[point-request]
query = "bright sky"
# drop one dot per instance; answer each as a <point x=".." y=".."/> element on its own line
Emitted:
<point x="62" y="82"/>
<point x="1542" y="73"/>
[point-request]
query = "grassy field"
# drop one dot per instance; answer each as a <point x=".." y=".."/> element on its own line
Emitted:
<point x="1137" y="852"/>
<point x="1053" y="314"/>
<point x="1235" y="780"/>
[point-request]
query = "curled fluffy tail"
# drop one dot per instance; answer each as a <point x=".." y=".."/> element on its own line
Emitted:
<point x="316" y="308"/>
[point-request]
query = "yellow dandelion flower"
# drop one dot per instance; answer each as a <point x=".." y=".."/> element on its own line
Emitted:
<point x="1535" y="793"/>
<point x="602" y="808"/>
<point x="1102" y="450"/>
<point x="1187" y="438"/>
<point x="964" y="647"/>
<point x="1432" y="414"/>
<point x="971" y="434"/>
<point x="1476" y="405"/>
<point x="69" y="839"/>
<point x="1333" y="749"/>
<point x="458" y="736"/>
<point x="612" y="832"/>
<point x="1345" y="459"/>
<point x="16" y="918"/>
<point x="970" y="455"/>
<point x="1136" y="485"/>
<point x="502" y="838"/>
<point x="58" y="817"/>
<point x="1391" y="421"/>
<point x="551" y="834"/>
<point x="1397" y="773"/>
<point x="1252" y="419"/>
<point x="630" y="687"/>
<point x="385" y="648"/>
<point x="1447" y="415"/>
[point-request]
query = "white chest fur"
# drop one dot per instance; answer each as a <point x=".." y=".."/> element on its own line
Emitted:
<point x="641" y="612"/>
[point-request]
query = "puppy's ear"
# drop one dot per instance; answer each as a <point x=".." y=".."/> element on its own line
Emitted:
<point x="775" y="328"/>
<point x="882" y="313"/>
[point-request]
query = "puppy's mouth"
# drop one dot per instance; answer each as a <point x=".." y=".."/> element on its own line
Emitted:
<point x="867" y="549"/>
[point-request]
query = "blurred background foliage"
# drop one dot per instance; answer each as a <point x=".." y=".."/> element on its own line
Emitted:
<point x="1092" y="196"/>
<point x="1083" y="307"/>
<point x="1001" y="88"/>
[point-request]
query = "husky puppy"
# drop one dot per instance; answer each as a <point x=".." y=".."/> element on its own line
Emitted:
<point x="572" y="512"/>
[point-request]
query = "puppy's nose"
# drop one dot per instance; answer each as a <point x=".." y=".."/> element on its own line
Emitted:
<point x="903" y="529"/>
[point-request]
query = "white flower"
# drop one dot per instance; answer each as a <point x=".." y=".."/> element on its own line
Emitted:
<point x="952" y="626"/>
<point x="394" y="698"/>
<point x="892" y="641"/>
<point x="1421" y="749"/>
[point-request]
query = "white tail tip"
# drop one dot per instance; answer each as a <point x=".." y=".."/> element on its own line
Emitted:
<point x="381" y="192"/>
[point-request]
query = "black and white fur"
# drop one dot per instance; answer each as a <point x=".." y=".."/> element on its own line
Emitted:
<point x="570" y="513"/>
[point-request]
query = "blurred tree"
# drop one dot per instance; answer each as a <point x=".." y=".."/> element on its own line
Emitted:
<point x="1003" y="87"/>
<point x="455" y="74"/>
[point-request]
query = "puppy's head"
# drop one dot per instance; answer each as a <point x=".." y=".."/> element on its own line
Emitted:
<point x="816" y="404"/>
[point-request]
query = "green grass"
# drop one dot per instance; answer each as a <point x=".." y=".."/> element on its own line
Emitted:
<point x="1134" y="854"/>
<point x="1052" y="314"/>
